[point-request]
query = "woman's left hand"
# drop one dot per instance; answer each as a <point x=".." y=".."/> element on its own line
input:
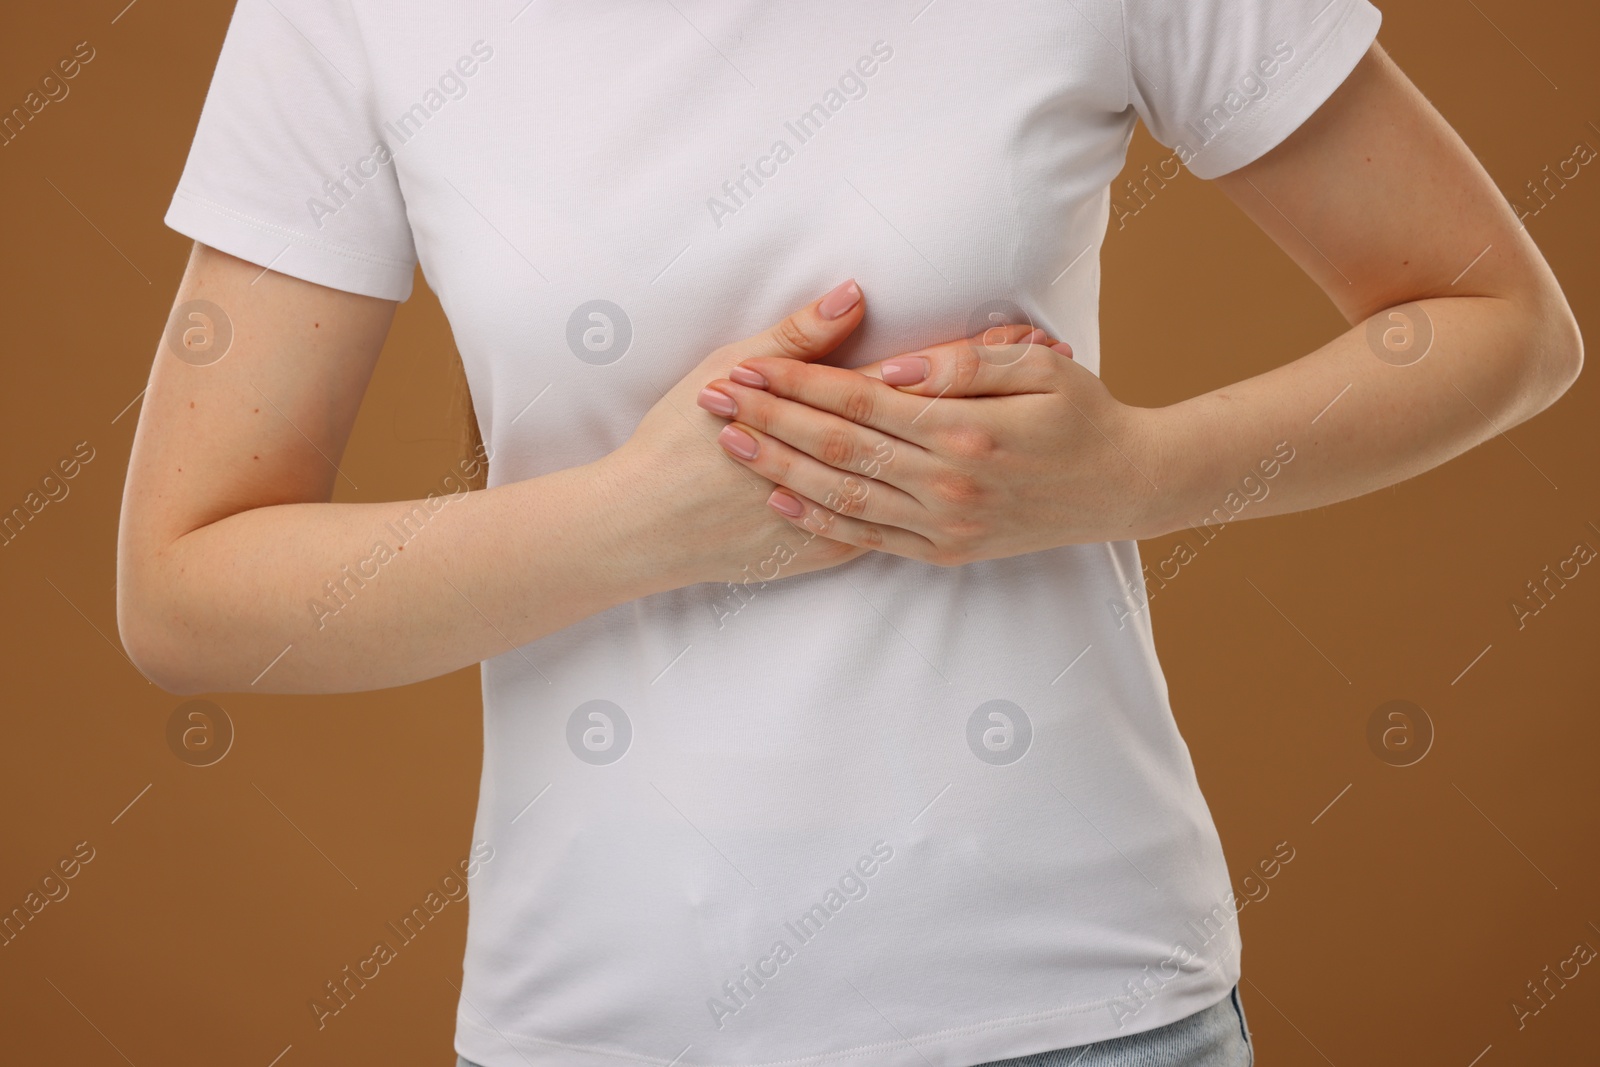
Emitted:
<point x="1003" y="447"/>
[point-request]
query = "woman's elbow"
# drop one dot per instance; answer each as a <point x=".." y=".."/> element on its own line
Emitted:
<point x="1569" y="355"/>
<point x="152" y="647"/>
<point x="1551" y="357"/>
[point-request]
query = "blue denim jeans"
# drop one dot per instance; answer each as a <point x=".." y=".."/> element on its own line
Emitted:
<point x="1215" y="1037"/>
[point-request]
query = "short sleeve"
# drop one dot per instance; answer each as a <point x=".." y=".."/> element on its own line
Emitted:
<point x="289" y="167"/>
<point x="1221" y="82"/>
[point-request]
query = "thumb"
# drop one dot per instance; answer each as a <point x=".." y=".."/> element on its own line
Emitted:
<point x="810" y="333"/>
<point x="1001" y="361"/>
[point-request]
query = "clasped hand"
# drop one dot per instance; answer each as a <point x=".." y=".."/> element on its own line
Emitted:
<point x="975" y="449"/>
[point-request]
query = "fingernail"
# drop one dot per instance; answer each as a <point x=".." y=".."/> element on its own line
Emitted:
<point x="843" y="297"/>
<point x="746" y="376"/>
<point x="908" y="370"/>
<point x="786" y="504"/>
<point x="721" y="403"/>
<point x="738" y="442"/>
<point x="1034" y="338"/>
<point x="1062" y="347"/>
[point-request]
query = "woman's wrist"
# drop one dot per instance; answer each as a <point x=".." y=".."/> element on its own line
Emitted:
<point x="1183" y="467"/>
<point x="638" y="545"/>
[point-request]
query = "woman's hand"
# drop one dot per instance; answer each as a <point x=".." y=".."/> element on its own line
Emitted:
<point x="708" y="509"/>
<point x="975" y="449"/>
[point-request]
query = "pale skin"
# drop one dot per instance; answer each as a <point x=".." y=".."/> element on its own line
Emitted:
<point x="228" y="528"/>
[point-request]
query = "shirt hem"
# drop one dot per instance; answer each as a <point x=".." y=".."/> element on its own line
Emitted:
<point x="1001" y="1038"/>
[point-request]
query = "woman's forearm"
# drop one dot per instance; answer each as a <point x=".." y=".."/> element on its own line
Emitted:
<point x="325" y="598"/>
<point x="235" y="573"/>
<point x="1356" y="422"/>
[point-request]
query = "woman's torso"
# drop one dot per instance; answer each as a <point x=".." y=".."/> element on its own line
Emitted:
<point x="993" y="742"/>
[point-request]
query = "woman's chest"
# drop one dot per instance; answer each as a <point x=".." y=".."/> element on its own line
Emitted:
<point x="615" y="190"/>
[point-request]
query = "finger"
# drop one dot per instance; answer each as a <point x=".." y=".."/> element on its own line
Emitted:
<point x="817" y="520"/>
<point x="996" y="338"/>
<point x="908" y="414"/>
<point x="841" y="391"/>
<point x="977" y="366"/>
<point x="995" y="335"/>
<point x="1003" y="366"/>
<point x="831" y="440"/>
<point x="811" y="332"/>
<point x="849" y="493"/>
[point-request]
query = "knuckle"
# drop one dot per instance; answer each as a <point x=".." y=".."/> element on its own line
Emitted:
<point x="837" y="448"/>
<point x="968" y="363"/>
<point x="791" y="337"/>
<point x="858" y="405"/>
<point x="956" y="489"/>
<point x="852" y="502"/>
<point x="970" y="442"/>
<point x="871" y="536"/>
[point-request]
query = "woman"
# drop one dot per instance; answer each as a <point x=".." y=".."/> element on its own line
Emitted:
<point x="894" y="780"/>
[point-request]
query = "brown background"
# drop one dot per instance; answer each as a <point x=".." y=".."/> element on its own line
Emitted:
<point x="1415" y="910"/>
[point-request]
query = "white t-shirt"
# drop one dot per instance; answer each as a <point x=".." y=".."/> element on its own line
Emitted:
<point x="885" y="814"/>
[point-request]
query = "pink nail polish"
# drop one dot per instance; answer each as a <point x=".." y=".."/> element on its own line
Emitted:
<point x="720" y="403"/>
<point x="1037" y="337"/>
<point x="841" y="299"/>
<point x="907" y="370"/>
<point x="738" y="442"/>
<point x="786" y="504"/>
<point x="1062" y="347"/>
<point x="746" y="376"/>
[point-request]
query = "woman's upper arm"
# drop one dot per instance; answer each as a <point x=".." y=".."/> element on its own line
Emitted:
<point x="252" y="395"/>
<point x="1381" y="203"/>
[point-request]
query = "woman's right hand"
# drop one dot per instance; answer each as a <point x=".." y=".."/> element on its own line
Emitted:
<point x="712" y="512"/>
